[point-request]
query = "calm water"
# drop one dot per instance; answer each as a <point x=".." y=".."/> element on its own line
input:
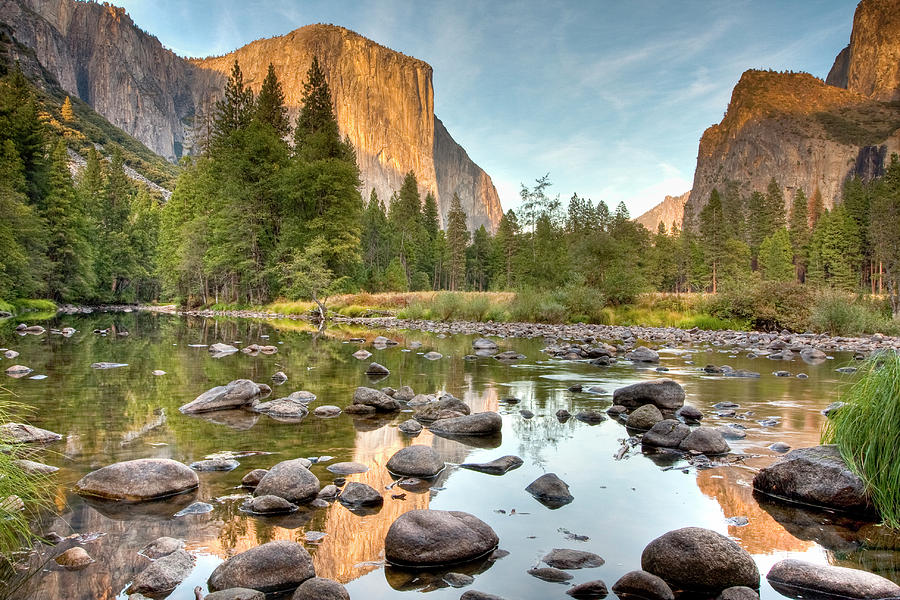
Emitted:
<point x="620" y="505"/>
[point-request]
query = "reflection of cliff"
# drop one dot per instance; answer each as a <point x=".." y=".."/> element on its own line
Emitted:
<point x="731" y="488"/>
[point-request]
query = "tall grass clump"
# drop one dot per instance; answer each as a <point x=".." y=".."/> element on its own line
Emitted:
<point x="867" y="432"/>
<point x="842" y="313"/>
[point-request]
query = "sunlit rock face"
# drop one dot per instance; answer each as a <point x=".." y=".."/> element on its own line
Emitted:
<point x="807" y="133"/>
<point x="669" y="212"/>
<point x="384" y="100"/>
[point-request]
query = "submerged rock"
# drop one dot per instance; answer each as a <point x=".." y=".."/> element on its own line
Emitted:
<point x="550" y="574"/>
<point x="161" y="547"/>
<point x="138" y="480"/>
<point x="498" y="466"/>
<point x="215" y="464"/>
<point x="800" y="579"/>
<point x="236" y="594"/>
<point x="22" y="433"/>
<point x="699" y="560"/>
<point x="235" y="394"/>
<point x="163" y="575"/>
<point x="565" y="558"/>
<point x="550" y="490"/>
<point x="643" y="354"/>
<point x="271" y="567"/>
<point x="641" y="584"/>
<point x="423" y="538"/>
<point x="319" y="588"/>
<point x="347" y="468"/>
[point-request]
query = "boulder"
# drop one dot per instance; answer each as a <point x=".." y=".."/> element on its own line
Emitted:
<point x="291" y="480"/>
<point x="641" y="584"/>
<point x="695" y="559"/>
<point x="689" y="413"/>
<point x="588" y="589"/>
<point x="319" y="588"/>
<point x="404" y="394"/>
<point x="483" y="423"/>
<point x="35" y="468"/>
<point x="283" y="408"/>
<point x="269" y="505"/>
<point x="643" y="354"/>
<point x="163" y="575"/>
<point x="327" y="411"/>
<point x="800" y="579"/>
<point x="235" y="394"/>
<point x="138" y="480"/>
<point x="361" y="354"/>
<point x="738" y="592"/>
<point x="431" y="410"/>
<point x="498" y="466"/>
<point x="161" y="547"/>
<point x="550" y="574"/>
<point x="705" y="440"/>
<point x="816" y="476"/>
<point x="271" y="567"/>
<point x="565" y="558"/>
<point x="252" y="479"/>
<point x="219" y="348"/>
<point x="422" y="538"/>
<point x="360" y="494"/>
<point x="666" y="394"/>
<point x="476" y="595"/>
<point x="416" y="461"/>
<point x="347" y="468"/>
<point x="377" y="369"/>
<point x="410" y="427"/>
<point x="668" y="433"/>
<point x="484" y="344"/>
<point x="432" y="355"/>
<point x="550" y="490"/>
<point x="376" y="399"/>
<point x="21" y="433"/>
<point x="215" y="464"/>
<point x="236" y="594"/>
<point x="644" y="417"/>
<point x="74" y="559"/>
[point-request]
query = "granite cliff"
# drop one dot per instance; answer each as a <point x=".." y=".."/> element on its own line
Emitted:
<point x="807" y="133"/>
<point x="384" y="100"/>
<point x="669" y="212"/>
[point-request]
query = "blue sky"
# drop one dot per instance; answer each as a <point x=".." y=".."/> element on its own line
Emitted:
<point x="609" y="97"/>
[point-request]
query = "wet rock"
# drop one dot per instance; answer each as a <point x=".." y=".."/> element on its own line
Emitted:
<point x="160" y="547"/>
<point x="779" y="447"/>
<point x="347" y="468"/>
<point x="196" y="508"/>
<point x="431" y="411"/>
<point x="589" y="589"/>
<point x="35" y="468"/>
<point x="236" y="594"/>
<point x="21" y="433"/>
<point x="422" y="400"/>
<point x="252" y="479"/>
<point x="550" y="490"/>
<point x="269" y="505"/>
<point x="616" y="410"/>
<point x="436" y="537"/>
<point x="291" y="480"/>
<point x="279" y="377"/>
<point x="731" y="433"/>
<point x="484" y="344"/>
<point x="235" y="394"/>
<point x="34" y="330"/>
<point x="18" y="370"/>
<point x="705" y="440"/>
<point x="699" y="560"/>
<point x="689" y="413"/>
<point x="666" y="394"/>
<point x="644" y="417"/>
<point x="832" y="408"/>
<point x="329" y="492"/>
<point x="483" y="423"/>
<point x="564" y="558"/>
<point x="644" y="585"/>
<point x="432" y="355"/>
<point x="327" y="411"/>
<point x="800" y="579"/>
<point x="283" y="408"/>
<point x="410" y="427"/>
<point x="163" y="575"/>
<point x="817" y="476"/>
<point x="404" y="394"/>
<point x="383" y="341"/>
<point x="138" y="480"/>
<point x="215" y="464"/>
<point x="643" y="354"/>
<point x="359" y="494"/>
<point x="498" y="466"/>
<point x="74" y="559"/>
<point x="781" y="373"/>
<point x="526" y="414"/>
<point x="378" y="400"/>
<point x="668" y="433"/>
<point x="10" y="354"/>
<point x="319" y="588"/>
<point x="812" y="355"/>
<point x="509" y="355"/>
<point x="158" y="373"/>
<point x="415" y="461"/>
<point x="738" y="592"/>
<point x="362" y="354"/>
<point x="359" y="409"/>
<point x="475" y="595"/>
<point x="562" y="415"/>
<point x="591" y="417"/>
<point x="550" y="574"/>
<point x="846" y="370"/>
<point x="219" y="348"/>
<point x="458" y="580"/>
<point x="271" y="567"/>
<point x="377" y="369"/>
<point x="107" y="365"/>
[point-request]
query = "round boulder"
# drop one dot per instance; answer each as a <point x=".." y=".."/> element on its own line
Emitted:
<point x="376" y="399"/>
<point x="163" y="575"/>
<point x="797" y="578"/>
<point x="431" y="411"/>
<point x="644" y="417"/>
<point x="138" y="480"/>
<point x="550" y="490"/>
<point x="415" y="461"/>
<point x="483" y="423"/>
<point x="268" y="505"/>
<point x="236" y="594"/>
<point x="319" y="588"/>
<point x="291" y="480"/>
<point x="566" y="558"/>
<point x="74" y="559"/>
<point x="360" y="494"/>
<point x="668" y="433"/>
<point x="699" y="560"/>
<point x="422" y="538"/>
<point x="705" y="440"/>
<point x="666" y="394"/>
<point x="271" y="567"/>
<point x="642" y="584"/>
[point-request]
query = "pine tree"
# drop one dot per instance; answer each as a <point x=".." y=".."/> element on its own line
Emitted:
<point x="21" y="123"/>
<point x="431" y="225"/>
<point x="316" y="133"/>
<point x="235" y="110"/>
<point x="884" y="231"/>
<point x="457" y="240"/>
<point x="479" y="260"/>
<point x="816" y="208"/>
<point x="407" y="231"/>
<point x="713" y="237"/>
<point x="270" y="108"/>
<point x="505" y="249"/>
<point x="68" y="114"/>
<point x="776" y="257"/>
<point x="71" y="277"/>
<point x="799" y="232"/>
<point x="22" y="245"/>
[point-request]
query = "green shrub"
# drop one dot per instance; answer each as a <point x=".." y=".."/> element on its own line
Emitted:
<point x="33" y="305"/>
<point x="867" y="432"/>
<point x="475" y="307"/>
<point x="765" y="305"/>
<point x="841" y="313"/>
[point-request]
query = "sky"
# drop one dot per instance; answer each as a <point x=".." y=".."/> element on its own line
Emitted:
<point x="609" y="97"/>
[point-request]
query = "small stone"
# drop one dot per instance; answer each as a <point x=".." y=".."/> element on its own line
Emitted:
<point x="347" y="468"/>
<point x="279" y="377"/>
<point x="362" y="354"/>
<point x="252" y="479"/>
<point x="564" y="558"/>
<point x="432" y="355"/>
<point x="327" y="411"/>
<point x="779" y="447"/>
<point x="161" y="547"/>
<point x="319" y="588"/>
<point x="410" y="427"/>
<point x="642" y="584"/>
<point x="216" y="464"/>
<point x="550" y="490"/>
<point x="550" y="574"/>
<point x="74" y="559"/>
<point x="377" y="369"/>
<point x="360" y="494"/>
<point x="498" y="466"/>
<point x="269" y="505"/>
<point x="589" y="589"/>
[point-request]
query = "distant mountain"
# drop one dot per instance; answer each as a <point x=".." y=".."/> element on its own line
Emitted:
<point x="669" y="212"/>
<point x="804" y="132"/>
<point x="384" y="100"/>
